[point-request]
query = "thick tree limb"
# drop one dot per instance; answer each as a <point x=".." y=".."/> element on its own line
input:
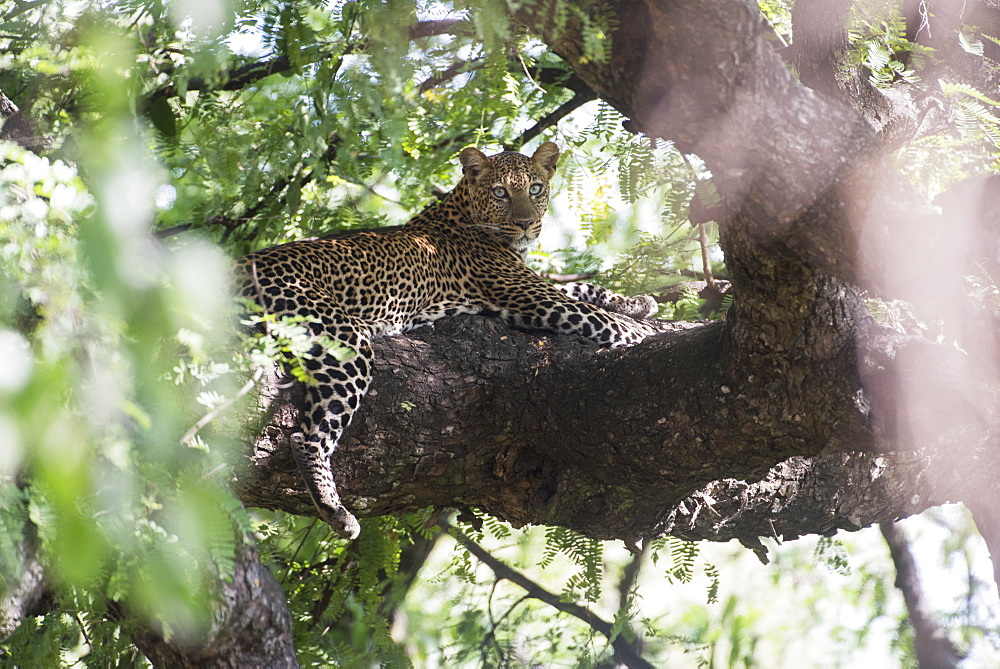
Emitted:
<point x="631" y="444"/>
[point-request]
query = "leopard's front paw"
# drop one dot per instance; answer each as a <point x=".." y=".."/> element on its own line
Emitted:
<point x="644" y="306"/>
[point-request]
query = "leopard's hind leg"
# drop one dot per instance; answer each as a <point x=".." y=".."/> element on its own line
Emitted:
<point x="339" y="375"/>
<point x="340" y="379"/>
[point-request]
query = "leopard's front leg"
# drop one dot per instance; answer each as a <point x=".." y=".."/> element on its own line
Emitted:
<point x="540" y="306"/>
<point x="637" y="306"/>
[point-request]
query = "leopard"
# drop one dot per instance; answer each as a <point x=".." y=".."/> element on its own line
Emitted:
<point x="462" y="255"/>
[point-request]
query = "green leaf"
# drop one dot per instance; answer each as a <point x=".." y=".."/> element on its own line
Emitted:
<point x="162" y="116"/>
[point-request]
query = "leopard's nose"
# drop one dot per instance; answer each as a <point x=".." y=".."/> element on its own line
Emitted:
<point x="524" y="225"/>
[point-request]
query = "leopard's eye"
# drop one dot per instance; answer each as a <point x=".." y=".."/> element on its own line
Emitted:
<point x="499" y="192"/>
<point x="536" y="189"/>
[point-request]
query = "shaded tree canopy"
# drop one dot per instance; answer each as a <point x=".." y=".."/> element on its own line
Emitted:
<point x="846" y="159"/>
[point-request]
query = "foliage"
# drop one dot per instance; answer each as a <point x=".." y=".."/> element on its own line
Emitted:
<point x="878" y="40"/>
<point x="243" y="126"/>
<point x="339" y="591"/>
<point x="975" y="118"/>
<point x="585" y="553"/>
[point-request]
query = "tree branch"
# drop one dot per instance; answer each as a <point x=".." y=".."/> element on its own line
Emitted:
<point x="451" y="72"/>
<point x="553" y="117"/>
<point x="932" y="645"/>
<point x="25" y="593"/>
<point x="252" y="72"/>
<point x="658" y="439"/>
<point x="15" y="127"/>
<point x="623" y="650"/>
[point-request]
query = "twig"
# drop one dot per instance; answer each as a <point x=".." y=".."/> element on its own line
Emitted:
<point x="624" y="651"/>
<point x="83" y="631"/>
<point x="524" y="66"/>
<point x="578" y="100"/>
<point x="706" y="264"/>
<point x="214" y="413"/>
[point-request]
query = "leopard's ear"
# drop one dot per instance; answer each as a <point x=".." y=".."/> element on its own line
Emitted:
<point x="545" y="157"/>
<point x="474" y="162"/>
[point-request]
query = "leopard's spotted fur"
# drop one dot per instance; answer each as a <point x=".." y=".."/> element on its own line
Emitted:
<point x="637" y="306"/>
<point x="459" y="256"/>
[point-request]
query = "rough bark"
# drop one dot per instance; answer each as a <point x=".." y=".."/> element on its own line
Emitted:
<point x="253" y="627"/>
<point x="16" y="127"/>
<point x="630" y="445"/>
<point x="25" y="593"/>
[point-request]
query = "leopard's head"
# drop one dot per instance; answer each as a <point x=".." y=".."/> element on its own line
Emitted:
<point x="508" y="193"/>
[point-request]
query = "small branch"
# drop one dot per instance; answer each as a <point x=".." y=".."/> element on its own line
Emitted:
<point x="932" y="645"/>
<point x="217" y="411"/>
<point x="170" y="232"/>
<point x="240" y="77"/>
<point x="628" y="582"/>
<point x="630" y="575"/>
<point x="623" y="650"/>
<point x="25" y="7"/>
<point x="564" y="78"/>
<point x="451" y="72"/>
<point x="563" y="110"/>
<point x="706" y="264"/>
<point x="441" y="27"/>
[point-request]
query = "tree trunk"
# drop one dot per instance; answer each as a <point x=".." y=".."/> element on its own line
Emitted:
<point x="253" y="627"/>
